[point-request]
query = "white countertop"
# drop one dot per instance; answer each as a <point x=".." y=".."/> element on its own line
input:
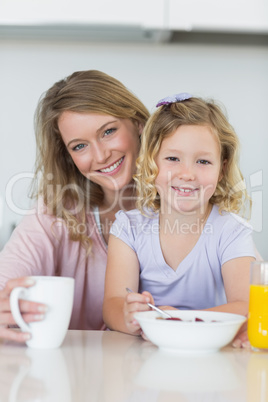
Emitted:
<point x="114" y="367"/>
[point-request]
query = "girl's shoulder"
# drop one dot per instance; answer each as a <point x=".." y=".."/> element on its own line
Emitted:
<point x="134" y="223"/>
<point x="135" y="215"/>
<point x="228" y="221"/>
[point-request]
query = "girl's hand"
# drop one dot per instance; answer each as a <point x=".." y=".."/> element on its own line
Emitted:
<point x="31" y="311"/>
<point x="135" y="302"/>
<point x="241" y="339"/>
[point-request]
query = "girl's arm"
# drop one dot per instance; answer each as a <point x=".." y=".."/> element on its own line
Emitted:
<point x="122" y="272"/>
<point x="236" y="273"/>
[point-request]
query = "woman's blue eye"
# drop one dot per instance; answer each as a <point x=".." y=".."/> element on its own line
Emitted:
<point x="109" y="131"/>
<point x="78" y="147"/>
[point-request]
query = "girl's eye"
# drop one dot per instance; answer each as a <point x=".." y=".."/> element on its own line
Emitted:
<point x="109" y="131"/>
<point x="203" y="162"/>
<point x="172" y="158"/>
<point x="78" y="147"/>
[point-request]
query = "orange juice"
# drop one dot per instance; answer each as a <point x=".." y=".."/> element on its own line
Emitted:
<point x="258" y="316"/>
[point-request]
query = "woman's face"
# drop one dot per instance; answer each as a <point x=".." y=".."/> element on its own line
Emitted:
<point x="104" y="148"/>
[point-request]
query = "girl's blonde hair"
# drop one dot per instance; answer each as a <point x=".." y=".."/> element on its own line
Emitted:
<point x="57" y="179"/>
<point x="231" y="192"/>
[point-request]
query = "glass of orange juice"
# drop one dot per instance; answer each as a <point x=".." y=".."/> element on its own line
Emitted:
<point x="258" y="306"/>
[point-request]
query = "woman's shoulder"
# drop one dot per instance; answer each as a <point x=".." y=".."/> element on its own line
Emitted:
<point x="40" y="219"/>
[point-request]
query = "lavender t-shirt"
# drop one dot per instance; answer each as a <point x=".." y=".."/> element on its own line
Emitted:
<point x="197" y="282"/>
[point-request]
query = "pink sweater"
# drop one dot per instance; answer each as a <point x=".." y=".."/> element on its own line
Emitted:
<point x="39" y="247"/>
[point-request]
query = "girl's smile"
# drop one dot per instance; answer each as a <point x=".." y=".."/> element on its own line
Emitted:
<point x="184" y="191"/>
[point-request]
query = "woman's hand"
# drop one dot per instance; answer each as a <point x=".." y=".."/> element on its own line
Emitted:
<point x="135" y="302"/>
<point x="30" y="311"/>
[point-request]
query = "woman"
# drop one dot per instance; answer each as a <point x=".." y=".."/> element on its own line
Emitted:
<point x="88" y="129"/>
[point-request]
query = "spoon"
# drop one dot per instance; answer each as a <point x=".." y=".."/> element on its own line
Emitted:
<point x="153" y="307"/>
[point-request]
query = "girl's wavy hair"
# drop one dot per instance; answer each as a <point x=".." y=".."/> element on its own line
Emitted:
<point x="230" y="194"/>
<point x="65" y="191"/>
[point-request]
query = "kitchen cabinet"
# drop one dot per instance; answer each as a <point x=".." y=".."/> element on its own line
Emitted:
<point x="158" y="18"/>
<point x="144" y="13"/>
<point x="218" y="15"/>
<point x="102" y="20"/>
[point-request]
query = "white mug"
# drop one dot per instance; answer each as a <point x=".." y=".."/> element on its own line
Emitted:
<point x="57" y="293"/>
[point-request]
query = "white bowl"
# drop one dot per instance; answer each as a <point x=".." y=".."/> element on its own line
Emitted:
<point x="214" y="332"/>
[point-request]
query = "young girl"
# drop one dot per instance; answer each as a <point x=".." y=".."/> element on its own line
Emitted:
<point x="88" y="129"/>
<point x="186" y="246"/>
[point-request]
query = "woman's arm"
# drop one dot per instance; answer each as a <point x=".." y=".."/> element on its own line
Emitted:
<point x="122" y="272"/>
<point x="31" y="250"/>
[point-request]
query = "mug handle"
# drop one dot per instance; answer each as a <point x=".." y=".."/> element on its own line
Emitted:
<point x="15" y="310"/>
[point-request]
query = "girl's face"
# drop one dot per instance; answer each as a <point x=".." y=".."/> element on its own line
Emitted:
<point x="104" y="148"/>
<point x="189" y="163"/>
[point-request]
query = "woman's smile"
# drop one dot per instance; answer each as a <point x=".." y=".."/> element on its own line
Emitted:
<point x="113" y="168"/>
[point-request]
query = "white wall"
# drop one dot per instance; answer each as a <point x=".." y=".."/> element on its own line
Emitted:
<point x="235" y="75"/>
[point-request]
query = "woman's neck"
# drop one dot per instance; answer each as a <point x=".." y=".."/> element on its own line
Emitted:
<point x="112" y="203"/>
<point x="125" y="199"/>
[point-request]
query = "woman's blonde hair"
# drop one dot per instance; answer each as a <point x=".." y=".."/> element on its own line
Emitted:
<point x="230" y="192"/>
<point x="57" y="179"/>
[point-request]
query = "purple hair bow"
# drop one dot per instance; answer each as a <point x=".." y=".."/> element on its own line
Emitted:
<point x="174" y="98"/>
